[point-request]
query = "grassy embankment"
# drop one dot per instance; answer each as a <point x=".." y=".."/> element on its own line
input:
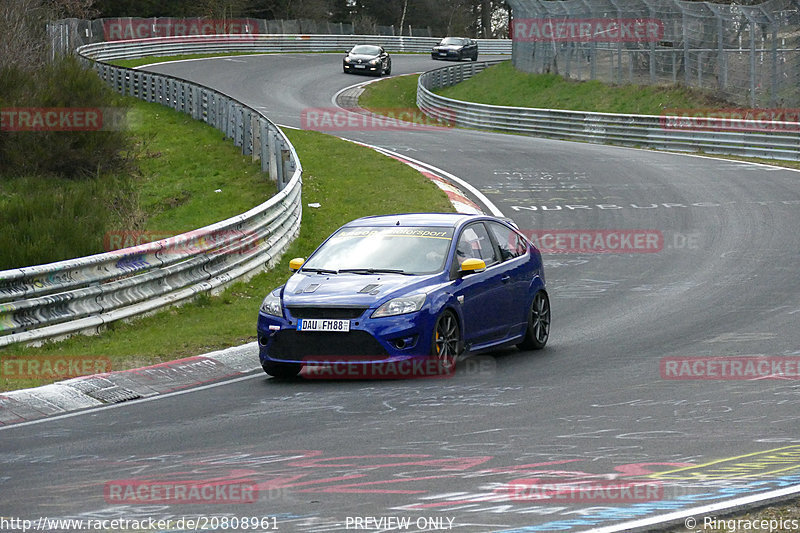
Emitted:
<point x="503" y="85"/>
<point x="180" y="170"/>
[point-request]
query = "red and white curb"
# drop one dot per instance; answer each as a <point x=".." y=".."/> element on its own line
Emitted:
<point x="460" y="202"/>
<point x="450" y="184"/>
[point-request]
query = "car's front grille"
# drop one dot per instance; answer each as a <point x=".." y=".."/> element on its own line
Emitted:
<point x="327" y="312"/>
<point x="296" y="345"/>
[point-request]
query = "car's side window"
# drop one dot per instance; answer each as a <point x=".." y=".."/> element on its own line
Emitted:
<point x="511" y="243"/>
<point x="474" y="243"/>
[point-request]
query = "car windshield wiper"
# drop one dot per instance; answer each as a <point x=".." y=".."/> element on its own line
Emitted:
<point x="319" y="270"/>
<point x="376" y="271"/>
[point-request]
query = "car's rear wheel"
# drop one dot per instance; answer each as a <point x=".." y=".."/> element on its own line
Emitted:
<point x="282" y="370"/>
<point x="538" y="330"/>
<point x="446" y="345"/>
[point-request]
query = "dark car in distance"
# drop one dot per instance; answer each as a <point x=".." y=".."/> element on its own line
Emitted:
<point x="367" y="58"/>
<point x="457" y="48"/>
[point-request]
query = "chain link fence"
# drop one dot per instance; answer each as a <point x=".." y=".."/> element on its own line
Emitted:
<point x="748" y="55"/>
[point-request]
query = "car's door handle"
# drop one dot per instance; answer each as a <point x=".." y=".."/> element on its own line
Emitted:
<point x="505" y="279"/>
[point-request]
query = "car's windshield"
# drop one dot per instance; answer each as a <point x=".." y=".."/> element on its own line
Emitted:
<point x="409" y="250"/>
<point x="453" y="40"/>
<point x="366" y="49"/>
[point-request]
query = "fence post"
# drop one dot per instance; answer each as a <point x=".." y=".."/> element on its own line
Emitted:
<point x="773" y="97"/>
<point x="273" y="159"/>
<point x="685" y="49"/>
<point x="264" y="142"/>
<point x="752" y="64"/>
<point x="247" y="125"/>
<point x="722" y="59"/>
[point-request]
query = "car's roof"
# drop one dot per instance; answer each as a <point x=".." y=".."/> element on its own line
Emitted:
<point x="414" y="219"/>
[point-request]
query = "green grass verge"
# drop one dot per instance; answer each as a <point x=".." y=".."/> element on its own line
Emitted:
<point x="179" y="163"/>
<point x="191" y="175"/>
<point x="396" y="92"/>
<point x="348" y="181"/>
<point x="401" y="92"/>
<point x="502" y="84"/>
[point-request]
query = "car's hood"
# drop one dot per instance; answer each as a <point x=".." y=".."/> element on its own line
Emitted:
<point x="357" y="290"/>
<point x="362" y="57"/>
<point x="448" y="47"/>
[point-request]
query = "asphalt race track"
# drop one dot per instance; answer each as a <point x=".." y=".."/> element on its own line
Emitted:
<point x="594" y="421"/>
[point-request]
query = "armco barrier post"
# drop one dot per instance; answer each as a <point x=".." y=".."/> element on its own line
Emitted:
<point x="286" y="165"/>
<point x="273" y="159"/>
<point x="263" y="135"/>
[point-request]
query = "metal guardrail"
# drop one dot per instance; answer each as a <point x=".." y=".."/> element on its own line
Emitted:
<point x="82" y="295"/>
<point x="747" y="138"/>
<point x="259" y="43"/>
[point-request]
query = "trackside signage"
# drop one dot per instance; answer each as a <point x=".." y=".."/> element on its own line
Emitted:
<point x="598" y="30"/>
<point x="121" y="29"/>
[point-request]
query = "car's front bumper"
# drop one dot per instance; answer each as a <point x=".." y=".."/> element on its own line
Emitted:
<point x="370" y="340"/>
<point x="446" y="54"/>
<point x="363" y="67"/>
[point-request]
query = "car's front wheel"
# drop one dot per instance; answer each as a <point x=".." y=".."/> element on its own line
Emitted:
<point x="282" y="370"/>
<point x="446" y="345"/>
<point x="538" y="330"/>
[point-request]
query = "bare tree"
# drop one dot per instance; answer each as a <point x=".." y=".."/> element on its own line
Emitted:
<point x="79" y="9"/>
<point x="23" y="36"/>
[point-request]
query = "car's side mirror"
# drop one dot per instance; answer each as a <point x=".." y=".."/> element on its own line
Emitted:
<point x="470" y="266"/>
<point x="296" y="263"/>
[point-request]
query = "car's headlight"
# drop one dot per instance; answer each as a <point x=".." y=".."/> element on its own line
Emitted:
<point x="272" y="304"/>
<point x="400" y="306"/>
<point x="374" y="61"/>
<point x="348" y="60"/>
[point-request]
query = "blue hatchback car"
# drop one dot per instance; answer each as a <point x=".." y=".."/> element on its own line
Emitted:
<point x="413" y="289"/>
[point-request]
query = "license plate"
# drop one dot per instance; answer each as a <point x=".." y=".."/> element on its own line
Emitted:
<point x="442" y="53"/>
<point x="323" y="324"/>
<point x="360" y="66"/>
